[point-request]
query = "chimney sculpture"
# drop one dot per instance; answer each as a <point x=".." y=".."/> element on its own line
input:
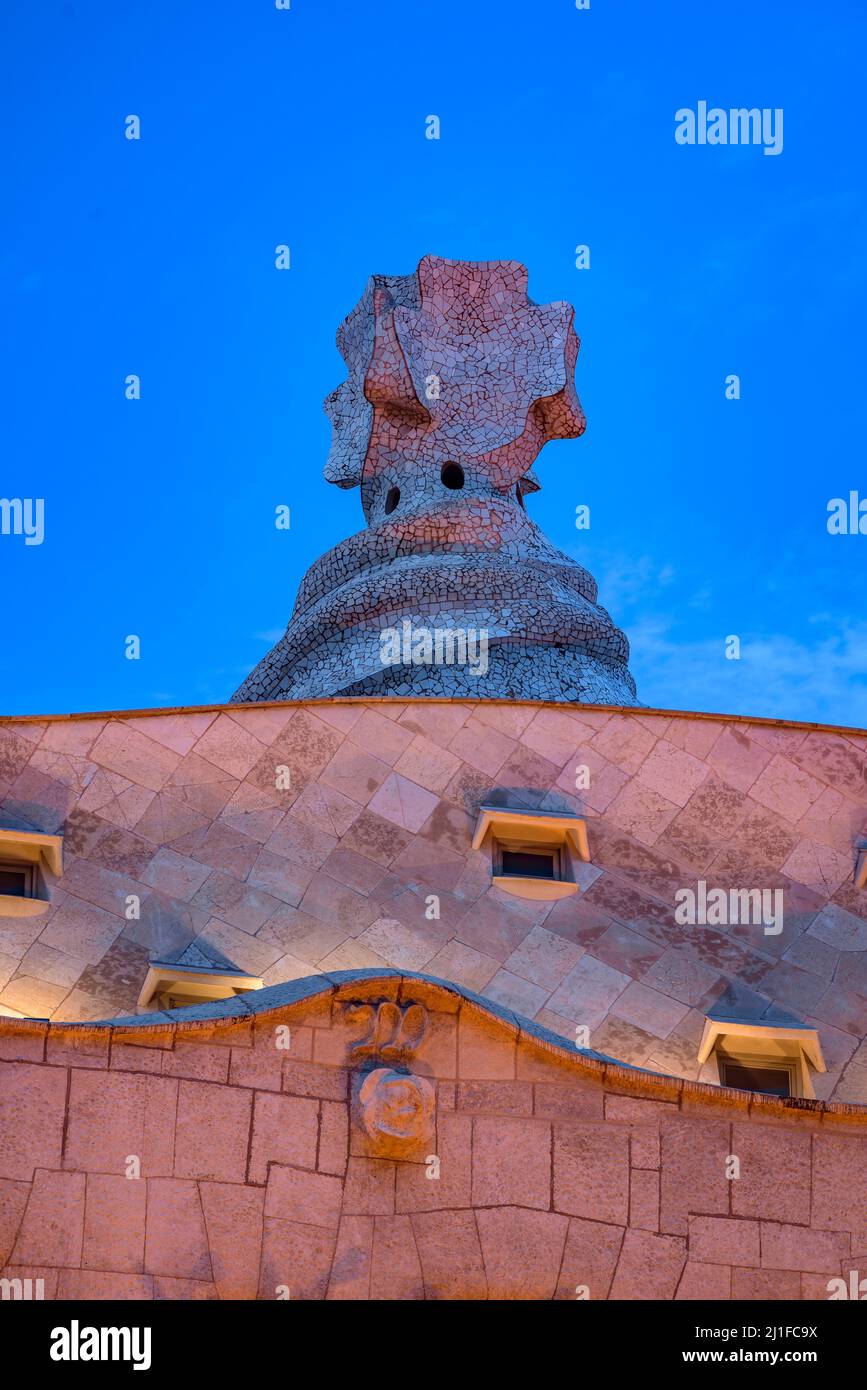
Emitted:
<point x="456" y="380"/>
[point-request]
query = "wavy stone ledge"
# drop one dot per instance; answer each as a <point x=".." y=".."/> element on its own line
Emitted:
<point x="266" y="1168"/>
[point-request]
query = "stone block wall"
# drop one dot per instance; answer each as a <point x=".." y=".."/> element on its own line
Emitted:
<point x="252" y="1151"/>
<point x="339" y="869"/>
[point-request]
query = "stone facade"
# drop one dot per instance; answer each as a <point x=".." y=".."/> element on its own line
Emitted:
<point x="337" y="870"/>
<point x="526" y="1170"/>
<point x="456" y="381"/>
<point x="356" y="1129"/>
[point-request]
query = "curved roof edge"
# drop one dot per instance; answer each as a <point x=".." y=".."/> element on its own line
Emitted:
<point x="380" y="983"/>
<point x="638" y="711"/>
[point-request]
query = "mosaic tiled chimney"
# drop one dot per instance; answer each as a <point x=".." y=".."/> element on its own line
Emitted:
<point x="456" y="381"/>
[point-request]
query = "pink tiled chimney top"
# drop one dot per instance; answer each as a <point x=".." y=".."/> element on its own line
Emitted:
<point x="456" y="380"/>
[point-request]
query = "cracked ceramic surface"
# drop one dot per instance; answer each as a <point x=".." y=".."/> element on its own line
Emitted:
<point x="456" y="381"/>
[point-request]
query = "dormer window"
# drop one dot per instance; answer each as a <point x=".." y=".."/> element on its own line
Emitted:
<point x="769" y="1059"/>
<point x="532" y="852"/>
<point x="170" y="985"/>
<point x="197" y="974"/>
<point x="29" y="864"/>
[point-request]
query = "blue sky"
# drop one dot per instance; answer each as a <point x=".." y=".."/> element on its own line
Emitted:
<point x="260" y="127"/>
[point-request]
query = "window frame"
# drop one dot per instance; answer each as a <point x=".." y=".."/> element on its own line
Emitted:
<point x="787" y="1067"/>
<point x="552" y="852"/>
<point x="31" y="877"/>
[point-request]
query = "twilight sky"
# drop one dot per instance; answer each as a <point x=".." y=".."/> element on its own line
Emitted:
<point x="307" y="127"/>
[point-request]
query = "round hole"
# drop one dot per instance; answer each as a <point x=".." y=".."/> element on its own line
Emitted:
<point x="452" y="475"/>
<point x="392" y="499"/>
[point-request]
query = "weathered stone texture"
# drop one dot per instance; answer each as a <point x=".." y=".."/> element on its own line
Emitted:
<point x="565" y="1178"/>
<point x="364" y="860"/>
